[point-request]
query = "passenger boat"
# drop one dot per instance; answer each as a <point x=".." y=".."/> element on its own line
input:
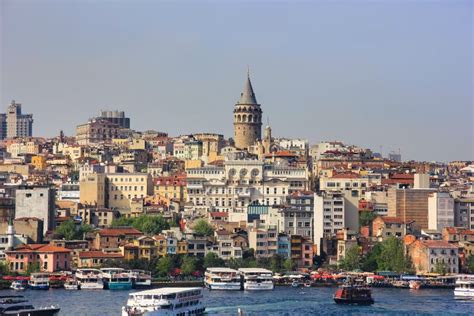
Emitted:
<point x="19" y="306"/>
<point x="222" y="279"/>
<point x="39" y="281"/>
<point x="106" y="275"/>
<point x="120" y="281"/>
<point x="140" y="278"/>
<point x="257" y="279"/>
<point x="464" y="287"/>
<point x="19" y="285"/>
<point x="295" y="284"/>
<point x="71" y="284"/>
<point x="353" y="294"/>
<point x="165" y="302"/>
<point x="89" y="279"/>
<point x="414" y="285"/>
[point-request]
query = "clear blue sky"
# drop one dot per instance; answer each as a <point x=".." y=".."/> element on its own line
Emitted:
<point x="391" y="73"/>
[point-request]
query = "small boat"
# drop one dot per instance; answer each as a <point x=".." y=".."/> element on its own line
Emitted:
<point x="120" y="281"/>
<point x="353" y="294"/>
<point x="17" y="305"/>
<point x="19" y="285"/>
<point x="89" y="279"/>
<point x="401" y="284"/>
<point x="39" y="281"/>
<point x="165" y="302"/>
<point x="295" y="284"/>
<point x="307" y="284"/>
<point x="71" y="284"/>
<point x="414" y="285"/>
<point x="464" y="287"/>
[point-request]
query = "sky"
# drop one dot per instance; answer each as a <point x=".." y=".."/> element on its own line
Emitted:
<point x="390" y="75"/>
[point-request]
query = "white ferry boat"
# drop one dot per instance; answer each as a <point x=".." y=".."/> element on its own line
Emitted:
<point x="107" y="273"/>
<point x="464" y="286"/>
<point x="222" y="279"/>
<point x="140" y="278"/>
<point x="89" y="279"/>
<point x="257" y="278"/>
<point x="165" y="302"/>
<point x="39" y="281"/>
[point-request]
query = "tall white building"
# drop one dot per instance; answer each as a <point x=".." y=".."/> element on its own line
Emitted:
<point x="328" y="216"/>
<point x="440" y="211"/>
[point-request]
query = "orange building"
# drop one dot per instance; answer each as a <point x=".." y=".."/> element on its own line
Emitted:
<point x="47" y="257"/>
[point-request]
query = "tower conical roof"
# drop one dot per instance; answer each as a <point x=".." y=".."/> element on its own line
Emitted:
<point x="247" y="96"/>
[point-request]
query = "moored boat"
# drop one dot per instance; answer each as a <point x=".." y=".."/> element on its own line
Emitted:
<point x="464" y="287"/>
<point x="107" y="273"/>
<point x="222" y="279"/>
<point x="89" y="279"/>
<point x="120" y="281"/>
<point x="140" y="278"/>
<point x="19" y="285"/>
<point x="257" y="279"/>
<point x="353" y="294"/>
<point x="165" y="302"/>
<point x="414" y="285"/>
<point x="71" y="284"/>
<point x="19" y="306"/>
<point x="39" y="281"/>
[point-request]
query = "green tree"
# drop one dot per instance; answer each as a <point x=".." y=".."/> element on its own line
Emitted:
<point x="213" y="260"/>
<point x="441" y="268"/>
<point x="70" y="231"/>
<point x="369" y="262"/>
<point x="276" y="263"/>
<point x="32" y="268"/>
<point x="122" y="221"/>
<point x="352" y="259"/>
<point x="203" y="228"/>
<point x="470" y="263"/>
<point x="392" y="256"/>
<point x="151" y="225"/>
<point x="164" y="266"/>
<point x="289" y="265"/>
<point x="4" y="268"/>
<point x="189" y="265"/>
<point x="366" y="218"/>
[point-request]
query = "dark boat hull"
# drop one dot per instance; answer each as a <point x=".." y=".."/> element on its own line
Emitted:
<point x="345" y="301"/>
<point x="35" y="312"/>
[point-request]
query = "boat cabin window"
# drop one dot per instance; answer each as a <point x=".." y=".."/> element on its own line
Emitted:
<point x="170" y="296"/>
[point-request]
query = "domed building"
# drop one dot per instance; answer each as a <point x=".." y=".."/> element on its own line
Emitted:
<point x="247" y="118"/>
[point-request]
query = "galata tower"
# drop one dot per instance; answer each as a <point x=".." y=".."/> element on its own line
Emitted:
<point x="247" y="118"/>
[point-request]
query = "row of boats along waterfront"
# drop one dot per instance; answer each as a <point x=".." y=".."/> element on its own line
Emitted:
<point x="185" y="301"/>
<point x="84" y="279"/>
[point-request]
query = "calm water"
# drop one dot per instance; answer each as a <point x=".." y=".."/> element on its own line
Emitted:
<point x="281" y="301"/>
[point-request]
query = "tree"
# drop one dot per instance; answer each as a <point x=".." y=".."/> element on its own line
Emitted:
<point x="32" y="268"/>
<point x="189" y="265"/>
<point x="369" y="262"/>
<point x="352" y="259"/>
<point x="441" y="268"/>
<point x="470" y="263"/>
<point x="213" y="260"/>
<point x="392" y="256"/>
<point x="276" y="263"/>
<point x="203" y="228"/>
<point x="164" y="266"/>
<point x="4" y="268"/>
<point x="70" y="231"/>
<point x="248" y="254"/>
<point x="147" y="224"/>
<point x="366" y="218"/>
<point x="289" y="264"/>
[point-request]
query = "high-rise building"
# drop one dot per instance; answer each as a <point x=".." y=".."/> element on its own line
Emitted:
<point x="247" y="118"/>
<point x="409" y="205"/>
<point x="14" y="123"/>
<point x="116" y="117"/>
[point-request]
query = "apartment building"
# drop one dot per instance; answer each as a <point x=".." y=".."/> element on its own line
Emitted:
<point x="440" y="211"/>
<point x="409" y="205"/>
<point x="328" y="216"/>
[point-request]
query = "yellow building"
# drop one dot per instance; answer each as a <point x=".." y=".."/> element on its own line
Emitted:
<point x="122" y="188"/>
<point x="172" y="188"/>
<point x="39" y="162"/>
<point x="190" y="164"/>
<point x="182" y="247"/>
<point x="92" y="190"/>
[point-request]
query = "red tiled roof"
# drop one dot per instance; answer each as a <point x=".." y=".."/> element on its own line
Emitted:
<point x="98" y="254"/>
<point x="282" y="153"/>
<point x="346" y="175"/>
<point x="219" y="214"/>
<point x="438" y="244"/>
<point x="392" y="220"/>
<point x="40" y="248"/>
<point x="119" y="231"/>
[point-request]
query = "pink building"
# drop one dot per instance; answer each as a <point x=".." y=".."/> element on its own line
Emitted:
<point x="47" y="257"/>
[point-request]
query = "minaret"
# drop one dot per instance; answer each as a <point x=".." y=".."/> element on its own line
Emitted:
<point x="10" y="234"/>
<point x="247" y="118"/>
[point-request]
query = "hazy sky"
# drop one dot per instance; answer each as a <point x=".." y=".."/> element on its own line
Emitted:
<point x="391" y="73"/>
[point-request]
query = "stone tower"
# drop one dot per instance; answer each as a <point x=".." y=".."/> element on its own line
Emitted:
<point x="247" y="118"/>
